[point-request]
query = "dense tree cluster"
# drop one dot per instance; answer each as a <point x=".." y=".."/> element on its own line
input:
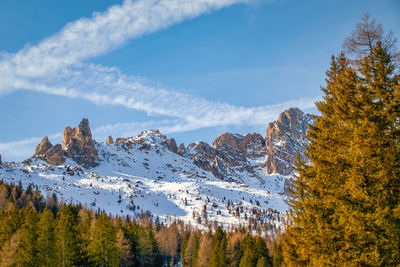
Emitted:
<point x="346" y="199"/>
<point x="224" y="248"/>
<point x="35" y="231"/>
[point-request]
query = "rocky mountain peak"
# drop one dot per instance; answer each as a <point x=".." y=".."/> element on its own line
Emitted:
<point x="44" y="145"/>
<point x="171" y="145"/>
<point x="109" y="140"/>
<point x="78" y="145"/>
<point x="47" y="152"/>
<point x="182" y="150"/>
<point x="252" y="145"/>
<point x="284" y="138"/>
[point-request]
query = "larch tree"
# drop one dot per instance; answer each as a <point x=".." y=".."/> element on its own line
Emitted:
<point x="345" y="203"/>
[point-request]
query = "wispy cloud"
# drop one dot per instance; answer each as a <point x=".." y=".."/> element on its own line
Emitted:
<point x="108" y="86"/>
<point x="90" y="37"/>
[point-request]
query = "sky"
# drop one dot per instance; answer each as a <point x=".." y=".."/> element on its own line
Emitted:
<point x="191" y="68"/>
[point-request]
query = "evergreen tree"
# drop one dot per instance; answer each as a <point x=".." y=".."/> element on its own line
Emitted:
<point x="184" y="246"/>
<point x="262" y="251"/>
<point x="346" y="199"/>
<point x="68" y="240"/>
<point x="262" y="262"/>
<point x="132" y="234"/>
<point x="277" y="254"/>
<point x="46" y="243"/>
<point x="218" y="254"/>
<point x="27" y="254"/>
<point x="149" y="251"/>
<point x="102" y="249"/>
<point x="249" y="257"/>
<point x="192" y="250"/>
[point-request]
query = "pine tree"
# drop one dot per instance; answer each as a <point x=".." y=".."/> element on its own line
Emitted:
<point x="27" y="254"/>
<point x="149" y="251"/>
<point x="249" y="257"/>
<point x="68" y="240"/>
<point x="12" y="220"/>
<point x="132" y="234"/>
<point x="262" y="251"/>
<point x="102" y="249"/>
<point x="46" y="243"/>
<point x="262" y="262"/>
<point x="346" y="199"/>
<point x="277" y="254"/>
<point x="218" y="254"/>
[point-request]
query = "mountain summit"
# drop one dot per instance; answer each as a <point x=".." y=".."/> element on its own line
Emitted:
<point x="77" y="145"/>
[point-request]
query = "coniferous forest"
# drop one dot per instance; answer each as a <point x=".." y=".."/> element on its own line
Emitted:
<point x="344" y="198"/>
<point x="39" y="232"/>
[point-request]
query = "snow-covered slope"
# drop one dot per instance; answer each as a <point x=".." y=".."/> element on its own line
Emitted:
<point x="200" y="184"/>
<point x="148" y="176"/>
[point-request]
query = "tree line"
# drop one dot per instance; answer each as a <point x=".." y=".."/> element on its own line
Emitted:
<point x="39" y="231"/>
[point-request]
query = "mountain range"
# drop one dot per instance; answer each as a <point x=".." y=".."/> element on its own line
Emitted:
<point x="238" y="179"/>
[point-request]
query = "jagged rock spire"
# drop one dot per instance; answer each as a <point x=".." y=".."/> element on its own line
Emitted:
<point x="77" y="145"/>
<point x="284" y="138"/>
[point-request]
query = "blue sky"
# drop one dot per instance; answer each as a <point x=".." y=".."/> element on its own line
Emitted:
<point x="194" y="69"/>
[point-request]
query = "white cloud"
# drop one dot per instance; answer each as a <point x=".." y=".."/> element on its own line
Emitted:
<point x="108" y="86"/>
<point x="90" y="37"/>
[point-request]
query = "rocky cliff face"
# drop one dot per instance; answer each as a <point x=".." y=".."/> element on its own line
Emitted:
<point x="251" y="145"/>
<point x="230" y="153"/>
<point x="283" y="139"/>
<point x="77" y="145"/>
<point x="228" y="156"/>
<point x="47" y="152"/>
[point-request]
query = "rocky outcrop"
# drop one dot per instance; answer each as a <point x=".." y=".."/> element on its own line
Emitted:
<point x="43" y="147"/>
<point x="49" y="153"/>
<point x="55" y="155"/>
<point x="225" y="163"/>
<point x="252" y="145"/>
<point x="171" y="145"/>
<point x="283" y="139"/>
<point x="78" y="145"/>
<point x="109" y="140"/>
<point x="182" y="150"/>
<point x="205" y="156"/>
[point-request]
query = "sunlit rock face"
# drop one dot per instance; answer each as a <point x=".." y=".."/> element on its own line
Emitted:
<point x="78" y="145"/>
<point x="283" y="139"/>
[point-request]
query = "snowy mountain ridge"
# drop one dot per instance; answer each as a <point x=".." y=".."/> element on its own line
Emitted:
<point x="227" y="182"/>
